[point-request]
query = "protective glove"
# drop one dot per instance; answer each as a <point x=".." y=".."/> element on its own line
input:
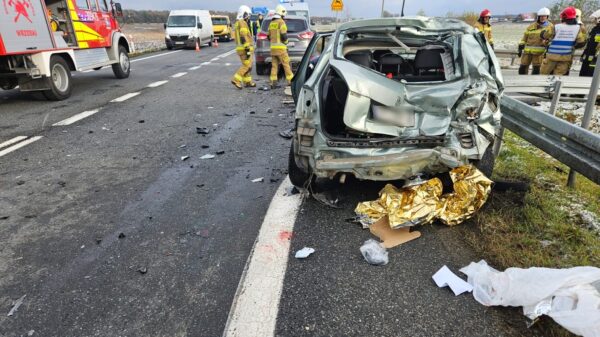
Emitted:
<point x="520" y="52"/>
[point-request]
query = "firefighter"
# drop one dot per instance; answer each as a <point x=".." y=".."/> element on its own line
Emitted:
<point x="564" y="38"/>
<point x="256" y="24"/>
<point x="244" y="48"/>
<point x="590" y="53"/>
<point x="484" y="26"/>
<point x="279" y="40"/>
<point x="532" y="47"/>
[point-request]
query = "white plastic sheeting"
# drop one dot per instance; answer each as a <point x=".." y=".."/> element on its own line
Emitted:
<point x="570" y="296"/>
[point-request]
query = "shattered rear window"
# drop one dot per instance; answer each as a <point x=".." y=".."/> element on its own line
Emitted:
<point x="402" y="53"/>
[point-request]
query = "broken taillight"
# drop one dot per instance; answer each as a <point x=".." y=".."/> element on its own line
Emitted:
<point x="261" y="36"/>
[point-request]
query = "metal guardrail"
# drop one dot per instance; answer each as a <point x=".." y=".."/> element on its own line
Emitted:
<point x="572" y="145"/>
<point x="512" y="55"/>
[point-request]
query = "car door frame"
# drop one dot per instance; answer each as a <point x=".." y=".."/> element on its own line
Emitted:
<point x="300" y="76"/>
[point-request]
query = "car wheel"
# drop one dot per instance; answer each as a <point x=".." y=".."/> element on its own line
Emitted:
<point x="97" y="68"/>
<point x="262" y="69"/>
<point x="169" y="47"/>
<point x="210" y="43"/>
<point x="486" y="164"/>
<point x="122" y="68"/>
<point x="59" y="80"/>
<point x="298" y="177"/>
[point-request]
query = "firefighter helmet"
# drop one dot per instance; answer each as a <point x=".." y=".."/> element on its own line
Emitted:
<point x="568" y="13"/>
<point x="544" y="12"/>
<point x="243" y="12"/>
<point x="485" y="13"/>
<point x="280" y="10"/>
<point x="596" y="16"/>
<point x="578" y="16"/>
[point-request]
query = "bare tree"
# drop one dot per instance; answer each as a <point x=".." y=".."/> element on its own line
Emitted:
<point x="586" y="6"/>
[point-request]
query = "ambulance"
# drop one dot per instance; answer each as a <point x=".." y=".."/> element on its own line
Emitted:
<point x="42" y="42"/>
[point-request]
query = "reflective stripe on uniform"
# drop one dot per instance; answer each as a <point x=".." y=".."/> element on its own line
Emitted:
<point x="238" y="77"/>
<point x="535" y="49"/>
<point x="597" y="38"/>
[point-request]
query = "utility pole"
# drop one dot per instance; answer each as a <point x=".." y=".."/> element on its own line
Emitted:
<point x="402" y="13"/>
<point x="382" y="7"/>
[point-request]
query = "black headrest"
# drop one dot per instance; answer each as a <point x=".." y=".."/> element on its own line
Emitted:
<point x="363" y="58"/>
<point x="429" y="59"/>
<point x="391" y="59"/>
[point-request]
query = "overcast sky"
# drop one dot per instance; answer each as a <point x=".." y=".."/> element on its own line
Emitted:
<point x="357" y="8"/>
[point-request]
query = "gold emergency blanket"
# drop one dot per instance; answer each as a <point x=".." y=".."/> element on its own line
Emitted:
<point x="421" y="204"/>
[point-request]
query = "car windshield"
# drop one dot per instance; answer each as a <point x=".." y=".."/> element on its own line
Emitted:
<point x="182" y="21"/>
<point x="219" y="21"/>
<point x="293" y="25"/>
<point x="298" y="13"/>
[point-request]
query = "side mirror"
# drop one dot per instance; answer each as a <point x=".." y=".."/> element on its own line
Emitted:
<point x="199" y="25"/>
<point x="118" y="10"/>
<point x="165" y="25"/>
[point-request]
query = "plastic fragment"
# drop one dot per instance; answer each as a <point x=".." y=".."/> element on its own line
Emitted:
<point x="374" y="253"/>
<point x="304" y="253"/>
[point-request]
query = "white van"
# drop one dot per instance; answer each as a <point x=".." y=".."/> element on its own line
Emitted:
<point x="298" y="9"/>
<point x="185" y="27"/>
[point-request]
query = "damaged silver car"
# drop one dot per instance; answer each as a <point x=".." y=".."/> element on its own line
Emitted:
<point x="394" y="99"/>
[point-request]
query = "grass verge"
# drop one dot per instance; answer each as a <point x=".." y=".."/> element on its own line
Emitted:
<point x="551" y="225"/>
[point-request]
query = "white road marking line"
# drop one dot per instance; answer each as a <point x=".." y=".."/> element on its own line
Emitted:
<point x="19" y="145"/>
<point x="157" y="84"/>
<point x="227" y="64"/>
<point x="76" y="118"/>
<point x="214" y="59"/>
<point x="195" y="68"/>
<point x="179" y="75"/>
<point x="12" y="141"/>
<point x="125" y="97"/>
<point x="226" y="54"/>
<point x="153" y="56"/>
<point x="205" y="63"/>
<point x="256" y="302"/>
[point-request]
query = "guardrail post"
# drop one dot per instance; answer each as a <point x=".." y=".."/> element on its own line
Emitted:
<point x="555" y="97"/>
<point x="498" y="142"/>
<point x="590" y="107"/>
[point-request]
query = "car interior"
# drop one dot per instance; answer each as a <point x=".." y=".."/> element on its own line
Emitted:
<point x="424" y="64"/>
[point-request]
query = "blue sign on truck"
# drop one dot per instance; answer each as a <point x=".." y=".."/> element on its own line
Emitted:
<point x="260" y="10"/>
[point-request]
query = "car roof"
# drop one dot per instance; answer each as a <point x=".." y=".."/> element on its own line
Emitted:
<point x="290" y="17"/>
<point x="425" y="23"/>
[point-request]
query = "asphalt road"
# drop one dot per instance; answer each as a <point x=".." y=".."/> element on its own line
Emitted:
<point x="108" y="231"/>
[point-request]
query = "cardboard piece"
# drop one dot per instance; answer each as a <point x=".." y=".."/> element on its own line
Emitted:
<point x="392" y="237"/>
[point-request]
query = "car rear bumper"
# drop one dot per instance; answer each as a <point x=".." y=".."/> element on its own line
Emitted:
<point x="265" y="57"/>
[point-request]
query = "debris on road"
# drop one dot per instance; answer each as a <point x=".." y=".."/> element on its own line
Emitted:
<point x="252" y="112"/>
<point x="291" y="190"/>
<point x="258" y="180"/>
<point x="221" y="152"/>
<point x="184" y="158"/>
<point x="326" y="200"/>
<point x="421" y="204"/>
<point x="269" y="111"/>
<point x="202" y="131"/>
<point x="287" y="101"/>
<point x="265" y="88"/>
<point x="392" y="237"/>
<point x="446" y="278"/>
<point x="16" y="305"/>
<point x="182" y="146"/>
<point x="571" y="297"/>
<point x="374" y="253"/>
<point x="208" y="156"/>
<point x="141" y="121"/>
<point x="142" y="270"/>
<point x="287" y="91"/>
<point x="287" y="134"/>
<point x="205" y="146"/>
<point x="229" y="114"/>
<point x="121" y="235"/>
<point x="304" y="253"/>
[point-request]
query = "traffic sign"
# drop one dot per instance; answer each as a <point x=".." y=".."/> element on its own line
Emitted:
<point x="337" y="5"/>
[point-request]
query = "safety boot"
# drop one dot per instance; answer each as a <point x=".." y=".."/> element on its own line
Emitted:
<point x="237" y="84"/>
<point x="250" y="84"/>
<point x="524" y="70"/>
<point x="536" y="70"/>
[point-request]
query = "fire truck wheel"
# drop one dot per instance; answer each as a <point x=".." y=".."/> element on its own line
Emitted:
<point x="122" y="68"/>
<point x="59" y="80"/>
<point x="8" y="83"/>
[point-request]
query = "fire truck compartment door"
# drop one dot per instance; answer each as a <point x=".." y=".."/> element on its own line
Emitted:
<point x="24" y="27"/>
<point x="91" y="58"/>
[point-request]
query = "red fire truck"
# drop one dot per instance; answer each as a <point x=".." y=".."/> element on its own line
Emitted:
<point x="42" y="41"/>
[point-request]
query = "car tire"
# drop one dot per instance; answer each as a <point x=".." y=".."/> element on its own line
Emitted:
<point x="262" y="69"/>
<point x="210" y="43"/>
<point x="8" y="83"/>
<point x="486" y="164"/>
<point x="169" y="47"/>
<point x="59" y="81"/>
<point x="298" y="177"/>
<point x="122" y="68"/>
<point x="97" y="68"/>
